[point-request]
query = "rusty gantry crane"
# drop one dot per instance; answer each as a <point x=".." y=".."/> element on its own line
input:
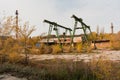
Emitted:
<point x="84" y="27"/>
<point x="54" y="26"/>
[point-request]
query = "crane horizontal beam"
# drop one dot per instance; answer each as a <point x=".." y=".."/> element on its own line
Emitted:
<point x="80" y="20"/>
<point x="53" y="23"/>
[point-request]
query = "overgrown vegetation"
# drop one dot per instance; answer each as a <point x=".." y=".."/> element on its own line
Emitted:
<point x="15" y="51"/>
<point x="115" y="41"/>
<point x="27" y="45"/>
<point x="57" y="69"/>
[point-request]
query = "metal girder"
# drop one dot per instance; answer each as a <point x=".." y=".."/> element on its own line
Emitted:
<point x="80" y="20"/>
<point x="54" y="26"/>
<point x="84" y="28"/>
<point x="54" y="23"/>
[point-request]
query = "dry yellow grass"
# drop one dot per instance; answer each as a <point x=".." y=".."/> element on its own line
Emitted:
<point x="79" y="47"/>
<point x="115" y="41"/>
<point x="101" y="68"/>
<point x="56" y="49"/>
<point x="14" y="57"/>
<point x="115" y="45"/>
<point x="67" y="48"/>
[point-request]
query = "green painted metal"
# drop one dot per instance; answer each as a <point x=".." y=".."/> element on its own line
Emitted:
<point x="49" y="32"/>
<point x="74" y="31"/>
<point x="54" y="26"/>
<point x="57" y="34"/>
<point x="84" y="27"/>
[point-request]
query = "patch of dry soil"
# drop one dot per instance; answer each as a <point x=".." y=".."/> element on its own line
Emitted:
<point x="104" y="54"/>
<point x="9" y="77"/>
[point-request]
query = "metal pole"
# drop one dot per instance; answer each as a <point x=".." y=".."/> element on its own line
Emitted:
<point x="16" y="24"/>
<point x="74" y="32"/>
<point x="111" y="28"/>
<point x="56" y="30"/>
<point x="49" y="33"/>
<point x="95" y="47"/>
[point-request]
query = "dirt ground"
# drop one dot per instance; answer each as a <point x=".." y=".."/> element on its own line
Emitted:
<point x="86" y="57"/>
<point x="104" y="54"/>
<point x="9" y="77"/>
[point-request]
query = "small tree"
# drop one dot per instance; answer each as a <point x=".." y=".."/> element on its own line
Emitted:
<point x="24" y="34"/>
<point x="6" y="29"/>
<point x="7" y="26"/>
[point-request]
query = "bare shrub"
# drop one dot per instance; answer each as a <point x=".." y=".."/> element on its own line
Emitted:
<point x="115" y="41"/>
<point x="34" y="51"/>
<point x="101" y="68"/>
<point x="56" y="49"/>
<point x="83" y="48"/>
<point x="79" y="47"/>
<point x="45" y="49"/>
<point x="67" y="48"/>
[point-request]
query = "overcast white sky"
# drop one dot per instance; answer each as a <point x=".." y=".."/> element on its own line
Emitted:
<point x="93" y="12"/>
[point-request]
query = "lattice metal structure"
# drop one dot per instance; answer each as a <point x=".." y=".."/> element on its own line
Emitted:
<point x="84" y="27"/>
<point x="54" y="26"/>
